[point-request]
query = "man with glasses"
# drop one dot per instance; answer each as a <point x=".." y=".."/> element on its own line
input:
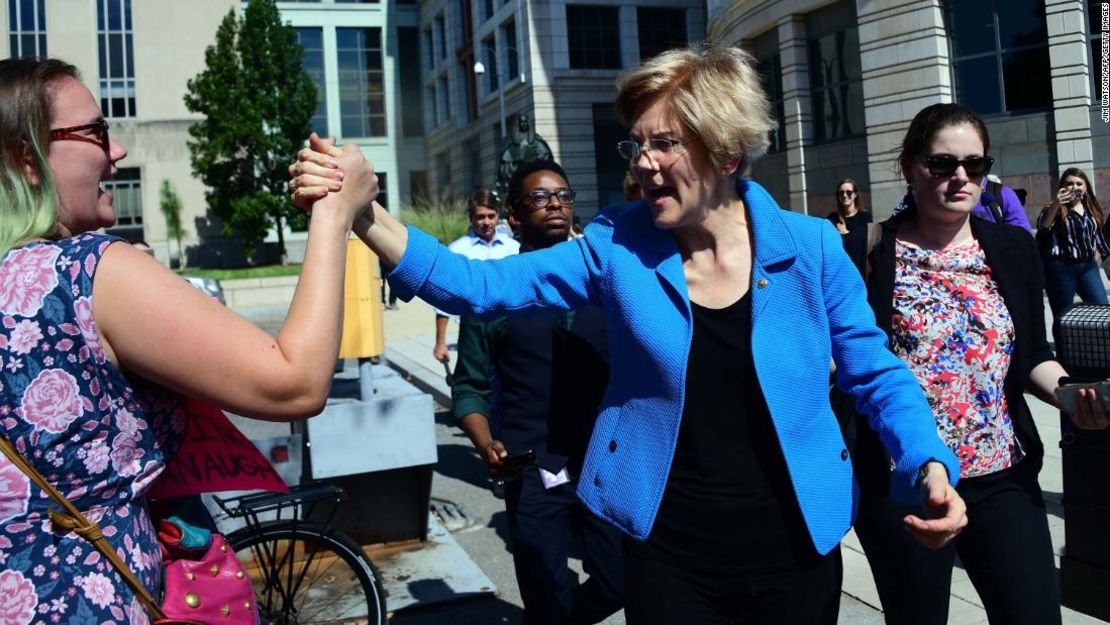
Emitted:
<point x="551" y="372"/>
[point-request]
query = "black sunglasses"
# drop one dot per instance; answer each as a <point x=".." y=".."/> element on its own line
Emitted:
<point x="945" y="166"/>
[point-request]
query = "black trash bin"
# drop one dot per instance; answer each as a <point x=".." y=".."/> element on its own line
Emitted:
<point x="1084" y="350"/>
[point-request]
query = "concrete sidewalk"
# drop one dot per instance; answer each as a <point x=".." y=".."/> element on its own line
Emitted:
<point x="409" y="340"/>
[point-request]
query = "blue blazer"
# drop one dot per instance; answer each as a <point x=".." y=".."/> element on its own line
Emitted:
<point x="808" y="305"/>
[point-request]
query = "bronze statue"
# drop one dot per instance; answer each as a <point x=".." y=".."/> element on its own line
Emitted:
<point x="522" y="145"/>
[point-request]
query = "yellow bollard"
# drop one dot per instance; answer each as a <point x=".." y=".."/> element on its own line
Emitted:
<point x="363" y="336"/>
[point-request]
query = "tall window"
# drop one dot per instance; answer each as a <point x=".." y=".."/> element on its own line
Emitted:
<point x="660" y="30"/>
<point x="611" y="167"/>
<point x="508" y="44"/>
<point x="361" y="90"/>
<point x="412" y="109"/>
<point x="127" y="197"/>
<point x="443" y="173"/>
<point x="487" y="10"/>
<point x="27" y="28"/>
<point x="769" y="66"/>
<point x="1000" y="54"/>
<point x="312" y="40"/>
<point x="441" y="38"/>
<point x="489" y="57"/>
<point x="443" y="101"/>
<point x="428" y="54"/>
<point x="594" y="36"/>
<point x="1094" y="33"/>
<point x="117" y="60"/>
<point x="835" y="75"/>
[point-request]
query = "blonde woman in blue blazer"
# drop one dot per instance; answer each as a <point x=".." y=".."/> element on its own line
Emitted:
<point x="715" y="450"/>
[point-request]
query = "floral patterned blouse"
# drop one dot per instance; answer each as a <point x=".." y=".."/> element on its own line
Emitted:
<point x="97" y="436"/>
<point x="953" y="329"/>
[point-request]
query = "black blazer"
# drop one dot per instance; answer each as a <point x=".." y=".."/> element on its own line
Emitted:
<point x="1016" y="268"/>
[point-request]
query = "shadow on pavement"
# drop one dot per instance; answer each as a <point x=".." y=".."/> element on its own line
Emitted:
<point x="461" y="462"/>
<point x="466" y="612"/>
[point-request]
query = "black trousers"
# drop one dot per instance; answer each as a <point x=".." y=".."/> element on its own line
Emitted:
<point x="544" y="525"/>
<point x="658" y="593"/>
<point x="1005" y="548"/>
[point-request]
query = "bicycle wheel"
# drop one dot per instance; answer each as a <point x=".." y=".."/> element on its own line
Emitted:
<point x="309" y="576"/>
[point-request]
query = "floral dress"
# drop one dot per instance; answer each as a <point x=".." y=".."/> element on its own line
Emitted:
<point x="99" y="437"/>
<point x="952" y="327"/>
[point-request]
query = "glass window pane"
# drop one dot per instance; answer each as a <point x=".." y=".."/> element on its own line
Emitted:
<point x="970" y="26"/>
<point x="42" y="46"/>
<point x="1022" y="23"/>
<point x="1021" y="71"/>
<point x="115" y="19"/>
<point x="127" y="14"/>
<point x="593" y="34"/>
<point x="28" y="44"/>
<point x="27" y="14"/>
<point x="660" y="30"/>
<point x="977" y="85"/>
<point x="129" y="54"/>
<point x="115" y="56"/>
<point x="13" y="45"/>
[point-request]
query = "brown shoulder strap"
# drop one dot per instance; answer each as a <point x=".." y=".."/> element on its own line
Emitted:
<point x="73" y="519"/>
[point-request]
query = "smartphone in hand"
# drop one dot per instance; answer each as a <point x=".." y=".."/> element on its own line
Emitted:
<point x="516" y="463"/>
<point x="1067" y="393"/>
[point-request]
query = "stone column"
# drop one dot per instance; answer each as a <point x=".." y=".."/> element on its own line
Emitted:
<point x="904" y="57"/>
<point x="1071" y="86"/>
<point x="799" y="115"/>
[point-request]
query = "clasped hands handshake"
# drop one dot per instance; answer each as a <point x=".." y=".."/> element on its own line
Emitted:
<point x="339" y="179"/>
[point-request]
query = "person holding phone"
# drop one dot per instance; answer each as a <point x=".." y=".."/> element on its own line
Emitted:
<point x="960" y="299"/>
<point x="550" y="372"/>
<point x="1071" y="241"/>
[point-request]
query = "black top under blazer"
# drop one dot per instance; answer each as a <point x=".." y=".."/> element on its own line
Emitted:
<point x="1015" y="266"/>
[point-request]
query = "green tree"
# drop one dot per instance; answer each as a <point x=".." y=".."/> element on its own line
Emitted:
<point x="170" y="205"/>
<point x="256" y="100"/>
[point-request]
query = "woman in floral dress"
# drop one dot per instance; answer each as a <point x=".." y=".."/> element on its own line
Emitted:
<point x="961" y="300"/>
<point x="99" y="342"/>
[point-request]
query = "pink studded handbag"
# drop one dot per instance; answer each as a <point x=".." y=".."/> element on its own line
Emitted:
<point x="204" y="581"/>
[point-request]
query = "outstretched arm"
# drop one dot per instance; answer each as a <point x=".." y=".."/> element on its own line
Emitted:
<point x="154" y="325"/>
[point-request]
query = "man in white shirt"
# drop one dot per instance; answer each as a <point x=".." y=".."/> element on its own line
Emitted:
<point x="482" y="242"/>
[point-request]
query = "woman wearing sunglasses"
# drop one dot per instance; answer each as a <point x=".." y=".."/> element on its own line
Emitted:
<point x="100" y="343"/>
<point x="1071" y="240"/>
<point x="850" y="213"/>
<point x="961" y="301"/>
<point x="715" y="450"/>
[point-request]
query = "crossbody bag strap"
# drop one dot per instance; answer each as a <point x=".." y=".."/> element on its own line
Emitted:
<point x="73" y="519"/>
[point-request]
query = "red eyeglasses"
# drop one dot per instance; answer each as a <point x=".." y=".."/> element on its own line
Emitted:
<point x="69" y="133"/>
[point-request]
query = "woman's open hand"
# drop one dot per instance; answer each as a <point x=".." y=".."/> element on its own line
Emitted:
<point x="945" y="509"/>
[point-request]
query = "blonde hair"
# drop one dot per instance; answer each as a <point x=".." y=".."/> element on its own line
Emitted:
<point x="715" y="91"/>
<point x="27" y="211"/>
